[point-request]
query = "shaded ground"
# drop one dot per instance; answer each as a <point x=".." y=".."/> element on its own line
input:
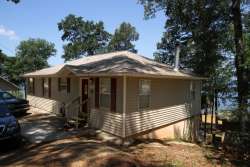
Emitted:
<point x="84" y="149"/>
<point x="84" y="152"/>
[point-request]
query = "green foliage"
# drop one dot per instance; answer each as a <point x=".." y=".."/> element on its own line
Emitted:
<point x="248" y="51"/>
<point x="11" y="71"/>
<point x="8" y="68"/>
<point x="2" y="59"/>
<point x="123" y="37"/>
<point x="32" y="54"/>
<point x="84" y="37"/>
<point x="200" y="27"/>
<point x="247" y="63"/>
<point x="204" y="31"/>
<point x="14" y="1"/>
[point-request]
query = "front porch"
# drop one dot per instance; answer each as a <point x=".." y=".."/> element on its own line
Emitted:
<point x="81" y="102"/>
<point x="101" y="105"/>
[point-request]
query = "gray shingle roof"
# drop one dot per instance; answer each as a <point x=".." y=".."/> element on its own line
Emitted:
<point x="114" y="63"/>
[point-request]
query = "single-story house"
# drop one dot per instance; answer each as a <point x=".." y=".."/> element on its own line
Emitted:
<point x="6" y="85"/>
<point x="121" y="93"/>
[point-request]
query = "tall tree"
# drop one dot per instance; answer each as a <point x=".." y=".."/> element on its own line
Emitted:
<point x="186" y="14"/>
<point x="200" y="27"/>
<point x="240" y="60"/>
<point x="123" y="37"/>
<point x="32" y="54"/>
<point x="84" y="37"/>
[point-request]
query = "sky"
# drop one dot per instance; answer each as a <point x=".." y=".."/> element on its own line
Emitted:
<point x="39" y="18"/>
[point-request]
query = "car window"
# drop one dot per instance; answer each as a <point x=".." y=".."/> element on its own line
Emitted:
<point x="6" y="95"/>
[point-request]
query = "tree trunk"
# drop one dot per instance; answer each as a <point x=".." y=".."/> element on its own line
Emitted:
<point x="216" y="106"/>
<point x="216" y="100"/>
<point x="241" y="72"/>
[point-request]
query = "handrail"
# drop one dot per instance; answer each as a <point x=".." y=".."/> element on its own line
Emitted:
<point x="72" y="110"/>
<point x="73" y="101"/>
<point x="85" y="101"/>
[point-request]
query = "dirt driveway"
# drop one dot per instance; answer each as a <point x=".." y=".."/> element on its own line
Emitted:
<point x="79" y="149"/>
<point x="86" y="152"/>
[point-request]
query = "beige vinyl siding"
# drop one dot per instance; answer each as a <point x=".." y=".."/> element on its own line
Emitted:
<point x="137" y="122"/>
<point x="132" y="94"/>
<point x="119" y="94"/>
<point x="109" y="122"/>
<point x="54" y="103"/>
<point x="48" y="105"/>
<point x="170" y="102"/>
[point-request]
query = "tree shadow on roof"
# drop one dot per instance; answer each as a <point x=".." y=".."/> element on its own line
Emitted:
<point x="118" y="64"/>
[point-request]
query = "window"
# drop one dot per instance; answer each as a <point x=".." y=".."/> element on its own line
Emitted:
<point x="6" y="96"/>
<point x="64" y="85"/>
<point x="46" y="83"/>
<point x="192" y="91"/>
<point x="31" y="85"/>
<point x="105" y="92"/>
<point x="144" y="94"/>
<point x="45" y="87"/>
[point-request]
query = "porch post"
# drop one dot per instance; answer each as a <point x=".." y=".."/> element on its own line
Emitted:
<point x="25" y="88"/>
<point x="124" y="105"/>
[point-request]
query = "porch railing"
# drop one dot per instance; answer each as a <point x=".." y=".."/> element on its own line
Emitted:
<point x="73" y="112"/>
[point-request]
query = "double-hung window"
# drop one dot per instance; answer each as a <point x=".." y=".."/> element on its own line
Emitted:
<point x="31" y="86"/>
<point x="46" y="84"/>
<point x="144" y="94"/>
<point x="64" y="85"/>
<point x="105" y="92"/>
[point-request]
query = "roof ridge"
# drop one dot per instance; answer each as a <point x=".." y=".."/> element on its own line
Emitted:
<point x="95" y="55"/>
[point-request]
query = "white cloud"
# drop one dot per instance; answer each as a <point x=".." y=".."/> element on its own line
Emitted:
<point x="11" y="34"/>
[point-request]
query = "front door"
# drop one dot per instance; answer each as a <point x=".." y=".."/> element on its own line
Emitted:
<point x="85" y="96"/>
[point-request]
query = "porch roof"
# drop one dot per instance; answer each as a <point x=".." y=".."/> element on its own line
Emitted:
<point x="115" y="64"/>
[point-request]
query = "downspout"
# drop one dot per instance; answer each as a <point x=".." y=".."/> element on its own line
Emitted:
<point x="124" y="106"/>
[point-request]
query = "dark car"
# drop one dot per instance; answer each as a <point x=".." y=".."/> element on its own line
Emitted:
<point x="9" y="126"/>
<point x="14" y="104"/>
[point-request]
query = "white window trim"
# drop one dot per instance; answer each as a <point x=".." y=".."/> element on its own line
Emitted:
<point x="102" y="107"/>
<point x="138" y="96"/>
